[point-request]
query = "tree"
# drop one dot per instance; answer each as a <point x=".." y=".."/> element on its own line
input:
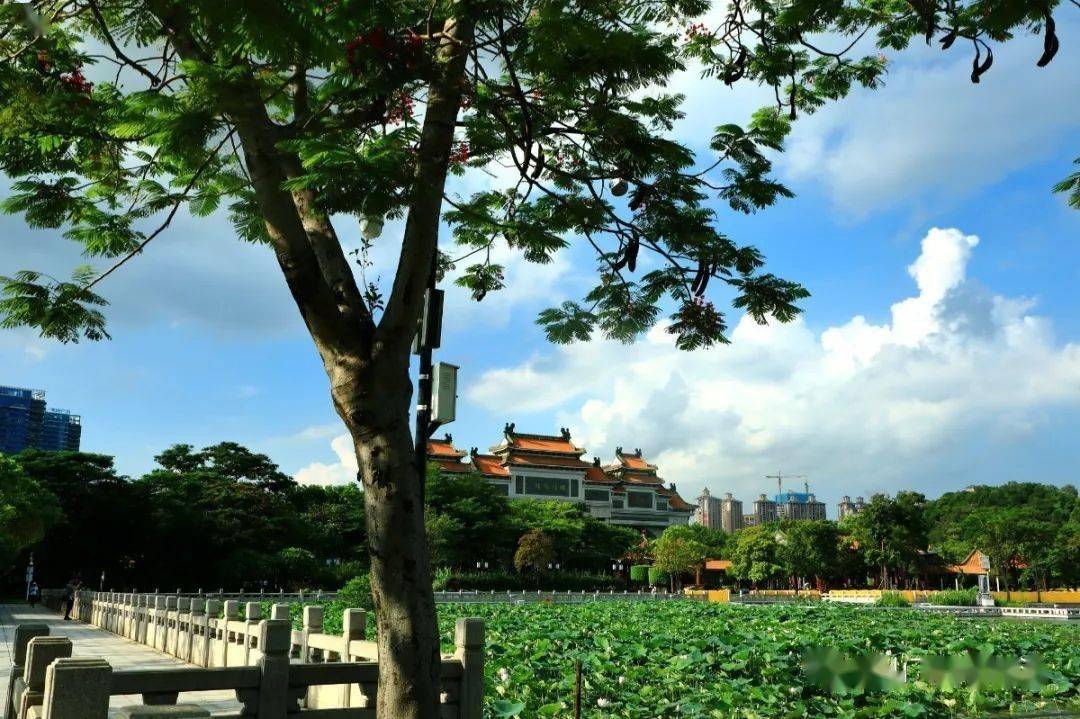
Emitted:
<point x="535" y="552"/>
<point x="890" y="532"/>
<point x="810" y="550"/>
<point x="676" y="553"/>
<point x="715" y="541"/>
<point x="292" y="114"/>
<point x="1014" y="538"/>
<point x="471" y="520"/>
<point x="27" y="510"/>
<point x="756" y="554"/>
<point x="104" y="524"/>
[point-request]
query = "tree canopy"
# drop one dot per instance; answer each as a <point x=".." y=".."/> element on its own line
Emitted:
<point x="27" y="511"/>
<point x="568" y="96"/>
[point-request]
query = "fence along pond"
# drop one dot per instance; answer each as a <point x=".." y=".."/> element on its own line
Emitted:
<point x="276" y="671"/>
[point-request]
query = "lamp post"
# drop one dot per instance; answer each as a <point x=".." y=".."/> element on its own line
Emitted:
<point x="29" y="575"/>
<point x="102" y="588"/>
<point x="482" y="565"/>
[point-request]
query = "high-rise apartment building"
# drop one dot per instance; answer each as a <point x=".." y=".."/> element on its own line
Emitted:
<point x="719" y="512"/>
<point x="731" y="516"/>
<point x="764" y="510"/>
<point x="26" y="422"/>
<point x="799" y="505"/>
<point x="846" y="508"/>
<point x="707" y="513"/>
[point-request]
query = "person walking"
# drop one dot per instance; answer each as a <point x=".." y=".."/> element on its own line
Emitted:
<point x="69" y="597"/>
<point x="33" y="594"/>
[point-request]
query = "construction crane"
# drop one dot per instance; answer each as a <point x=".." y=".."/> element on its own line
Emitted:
<point x="780" y="476"/>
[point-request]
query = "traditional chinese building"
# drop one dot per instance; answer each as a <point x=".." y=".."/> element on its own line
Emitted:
<point x="628" y="492"/>
<point x="449" y="459"/>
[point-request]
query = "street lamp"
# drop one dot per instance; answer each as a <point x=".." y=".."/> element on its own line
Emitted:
<point x="29" y="575"/>
<point x="555" y="566"/>
<point x="102" y="580"/>
<point x="483" y="565"/>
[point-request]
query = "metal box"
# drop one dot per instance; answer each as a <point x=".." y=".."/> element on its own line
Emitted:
<point x="444" y="393"/>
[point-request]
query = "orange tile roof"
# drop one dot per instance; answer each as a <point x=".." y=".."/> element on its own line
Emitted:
<point x="545" y="444"/>
<point x="973" y="564"/>
<point x="443" y="448"/>
<point x="597" y="475"/>
<point x="546" y="460"/>
<point x="650" y="479"/>
<point x="490" y="465"/>
<point x="677" y="502"/>
<point x="718" y="564"/>
<point x="452" y="465"/>
<point x="633" y="460"/>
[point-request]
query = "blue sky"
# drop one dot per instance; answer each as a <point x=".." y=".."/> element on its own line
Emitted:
<point x="964" y="368"/>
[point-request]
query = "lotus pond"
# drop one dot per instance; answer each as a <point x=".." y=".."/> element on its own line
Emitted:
<point x="690" y="659"/>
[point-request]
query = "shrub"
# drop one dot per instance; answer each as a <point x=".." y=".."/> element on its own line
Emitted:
<point x="658" y="576"/>
<point x="357" y="593"/>
<point x="892" y="599"/>
<point x="441" y="579"/>
<point x="955" y="598"/>
<point x="500" y="581"/>
<point x="639" y="573"/>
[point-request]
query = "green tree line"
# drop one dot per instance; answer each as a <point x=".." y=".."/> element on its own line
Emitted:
<point x="1030" y="531"/>
<point x="225" y="516"/>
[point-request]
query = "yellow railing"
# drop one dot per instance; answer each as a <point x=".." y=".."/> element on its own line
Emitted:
<point x="711" y="595"/>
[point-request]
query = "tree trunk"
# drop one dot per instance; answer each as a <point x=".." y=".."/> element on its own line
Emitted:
<point x="375" y="407"/>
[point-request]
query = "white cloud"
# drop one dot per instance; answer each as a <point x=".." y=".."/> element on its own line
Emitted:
<point x="930" y="135"/>
<point x="341" y="472"/>
<point x="856" y="407"/>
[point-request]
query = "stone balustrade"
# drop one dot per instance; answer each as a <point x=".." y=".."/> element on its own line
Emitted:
<point x="275" y="670"/>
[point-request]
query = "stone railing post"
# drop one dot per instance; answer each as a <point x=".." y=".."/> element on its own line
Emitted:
<point x="182" y="635"/>
<point x="469" y="643"/>
<point x="275" y="700"/>
<point x="196" y="631"/>
<point x="77" y="688"/>
<point x="40" y="653"/>
<point x="353" y="626"/>
<point x="23" y="634"/>
<point x="313" y="624"/>
<point x="280" y="611"/>
<point x="252" y="615"/>
<point x="214" y="635"/>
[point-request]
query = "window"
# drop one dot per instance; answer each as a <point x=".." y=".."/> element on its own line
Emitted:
<point x="574" y="488"/>
<point x="661" y="503"/>
<point x="616" y="502"/>
<point x="518" y="484"/>
<point x="502" y="488"/>
<point x="548" y="486"/>
<point x="640" y="500"/>
<point x="596" y="495"/>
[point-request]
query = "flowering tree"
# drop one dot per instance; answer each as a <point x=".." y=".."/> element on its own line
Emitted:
<point x="535" y="552"/>
<point x="287" y="114"/>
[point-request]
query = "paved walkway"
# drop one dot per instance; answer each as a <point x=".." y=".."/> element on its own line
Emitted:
<point x="91" y="641"/>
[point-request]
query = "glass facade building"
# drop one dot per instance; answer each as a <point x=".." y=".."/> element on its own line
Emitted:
<point x="26" y="422"/>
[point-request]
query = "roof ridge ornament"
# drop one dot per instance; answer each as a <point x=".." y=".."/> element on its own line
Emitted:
<point x="565" y="432"/>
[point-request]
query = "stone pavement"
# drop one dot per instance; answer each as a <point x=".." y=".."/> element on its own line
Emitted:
<point x="93" y="642"/>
